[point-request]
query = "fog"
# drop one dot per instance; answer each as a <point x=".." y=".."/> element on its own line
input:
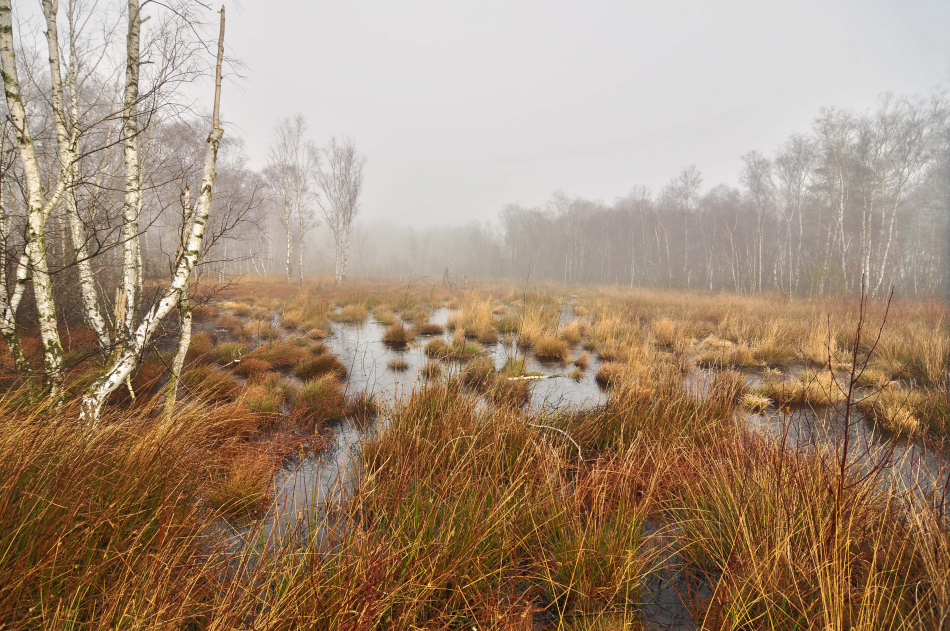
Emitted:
<point x="747" y="147"/>
<point x="462" y="108"/>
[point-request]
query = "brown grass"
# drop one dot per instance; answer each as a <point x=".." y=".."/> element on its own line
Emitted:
<point x="397" y="335"/>
<point x="609" y="375"/>
<point x="582" y="361"/>
<point x="320" y="365"/>
<point x="811" y="388"/>
<point x="551" y="349"/>
<point x="473" y="511"/>
<point x="398" y="364"/>
<point x="242" y="489"/>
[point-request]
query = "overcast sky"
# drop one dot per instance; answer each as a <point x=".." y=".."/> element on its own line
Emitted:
<point x="462" y="107"/>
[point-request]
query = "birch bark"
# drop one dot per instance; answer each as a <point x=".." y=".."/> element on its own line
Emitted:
<point x="39" y="206"/>
<point x="132" y="205"/>
<point x="91" y="312"/>
<point x="127" y="358"/>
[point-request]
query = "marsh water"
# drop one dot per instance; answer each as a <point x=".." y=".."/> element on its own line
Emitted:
<point x="362" y="351"/>
<point x="303" y="487"/>
<point x="360" y="347"/>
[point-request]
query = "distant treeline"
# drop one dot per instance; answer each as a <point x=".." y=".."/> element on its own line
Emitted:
<point x="860" y="195"/>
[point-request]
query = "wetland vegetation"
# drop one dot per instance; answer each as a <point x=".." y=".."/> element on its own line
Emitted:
<point x="536" y="458"/>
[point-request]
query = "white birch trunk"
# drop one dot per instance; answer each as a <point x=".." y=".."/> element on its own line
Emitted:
<point x="184" y="341"/>
<point x="127" y="359"/>
<point x="300" y="243"/>
<point x="289" y="245"/>
<point x="39" y="207"/>
<point x="91" y="312"/>
<point x="132" y="205"/>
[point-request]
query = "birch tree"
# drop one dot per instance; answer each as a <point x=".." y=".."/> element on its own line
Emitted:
<point x="793" y="168"/>
<point x="340" y="179"/>
<point x="290" y="171"/>
<point x="757" y="178"/>
<point x="682" y="195"/>
<point x="126" y="360"/>
<point x="40" y="204"/>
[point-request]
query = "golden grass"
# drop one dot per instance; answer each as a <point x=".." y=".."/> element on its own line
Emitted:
<point x="397" y="335"/>
<point x="582" y="361"/>
<point x="432" y="370"/>
<point x="320" y="365"/>
<point x="609" y="374"/>
<point x="242" y="489"/>
<point x="384" y="315"/>
<point x="551" y="349"/>
<point x="810" y="388"/>
<point x="398" y="364"/>
<point x="895" y="408"/>
<point x="475" y="319"/>
<point x="665" y="332"/>
<point x="437" y="348"/>
<point x="351" y="314"/>
<point x="755" y="402"/>
<point x="572" y="332"/>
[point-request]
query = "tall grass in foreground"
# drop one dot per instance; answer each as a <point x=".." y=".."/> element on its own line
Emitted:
<point x="105" y="530"/>
<point x="475" y="518"/>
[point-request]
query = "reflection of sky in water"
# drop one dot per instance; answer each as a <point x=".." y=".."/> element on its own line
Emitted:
<point x="361" y="349"/>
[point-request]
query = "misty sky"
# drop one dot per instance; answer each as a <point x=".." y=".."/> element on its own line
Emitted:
<point x="462" y="107"/>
